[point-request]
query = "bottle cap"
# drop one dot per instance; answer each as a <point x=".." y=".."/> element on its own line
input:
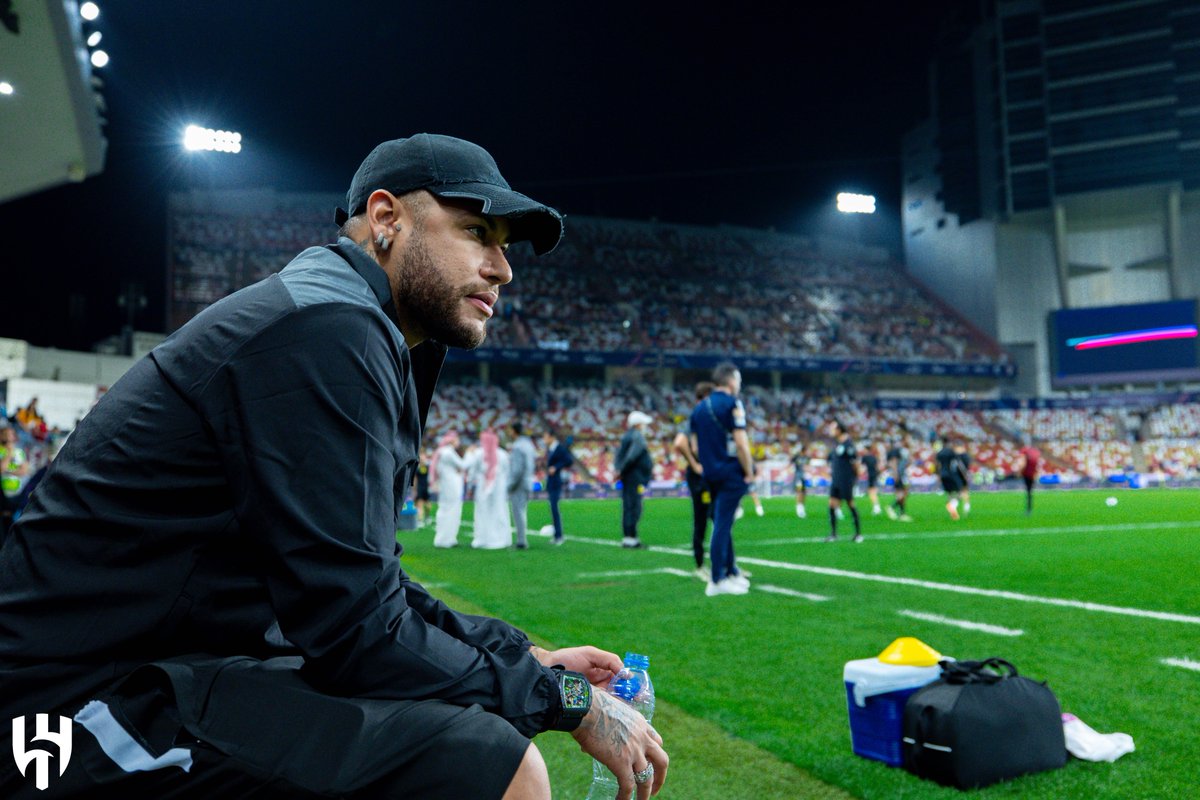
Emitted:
<point x="910" y="652"/>
<point x="637" y="661"/>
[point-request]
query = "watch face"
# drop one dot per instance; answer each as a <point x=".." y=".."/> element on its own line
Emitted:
<point x="577" y="694"/>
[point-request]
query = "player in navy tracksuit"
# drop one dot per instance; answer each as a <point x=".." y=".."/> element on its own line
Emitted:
<point x="723" y="448"/>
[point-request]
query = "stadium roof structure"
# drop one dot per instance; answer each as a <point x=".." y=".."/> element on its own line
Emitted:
<point x="51" y="121"/>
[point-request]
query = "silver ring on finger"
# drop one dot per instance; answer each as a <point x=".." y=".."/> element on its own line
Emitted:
<point x="645" y="775"/>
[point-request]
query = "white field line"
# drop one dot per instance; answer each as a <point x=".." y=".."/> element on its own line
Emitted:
<point x="1000" y="594"/>
<point x="764" y="587"/>
<point x="974" y="590"/>
<point x="961" y="623"/>
<point x="629" y="573"/>
<point x="1186" y="663"/>
<point x="969" y="534"/>
<point x="625" y="573"/>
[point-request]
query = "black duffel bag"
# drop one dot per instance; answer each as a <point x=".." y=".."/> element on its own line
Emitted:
<point x="981" y="723"/>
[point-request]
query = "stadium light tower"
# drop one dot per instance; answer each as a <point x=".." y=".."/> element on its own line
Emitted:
<point x="198" y="138"/>
<point x="850" y="203"/>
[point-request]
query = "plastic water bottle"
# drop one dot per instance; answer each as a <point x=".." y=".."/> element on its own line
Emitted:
<point x="632" y="684"/>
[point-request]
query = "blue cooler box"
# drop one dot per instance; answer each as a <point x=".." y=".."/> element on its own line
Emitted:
<point x="875" y="694"/>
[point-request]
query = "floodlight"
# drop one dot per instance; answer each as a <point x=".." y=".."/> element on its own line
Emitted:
<point x="89" y="11"/>
<point x="6" y="87"/>
<point x="850" y="203"/>
<point x="99" y="58"/>
<point x="198" y="138"/>
<point x="94" y="39"/>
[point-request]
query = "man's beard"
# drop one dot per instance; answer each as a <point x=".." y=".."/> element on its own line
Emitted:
<point x="431" y="301"/>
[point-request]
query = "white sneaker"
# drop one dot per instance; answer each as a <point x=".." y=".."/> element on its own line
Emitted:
<point x="704" y="574"/>
<point x="801" y="511"/>
<point x="758" y="510"/>
<point x="726" y="586"/>
<point x="741" y="512"/>
<point x="891" y="512"/>
<point x="740" y="579"/>
<point x="876" y="511"/>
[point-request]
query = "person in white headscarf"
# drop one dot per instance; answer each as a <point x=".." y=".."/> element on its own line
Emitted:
<point x="446" y="473"/>
<point x="488" y="467"/>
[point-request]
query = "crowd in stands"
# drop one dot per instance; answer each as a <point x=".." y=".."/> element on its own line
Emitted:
<point x="637" y="286"/>
<point x="1169" y="439"/>
<point x="619" y="286"/>
<point x="27" y="445"/>
<point x="1079" y="444"/>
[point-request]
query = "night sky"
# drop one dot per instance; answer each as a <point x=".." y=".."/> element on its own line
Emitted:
<point x="748" y="113"/>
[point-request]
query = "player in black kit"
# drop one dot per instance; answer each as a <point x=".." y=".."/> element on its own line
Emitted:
<point x="843" y="462"/>
<point x="870" y="460"/>
<point x="952" y="474"/>
<point x="897" y="461"/>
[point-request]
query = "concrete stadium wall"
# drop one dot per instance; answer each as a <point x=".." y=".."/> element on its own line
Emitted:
<point x="48" y="363"/>
<point x="1119" y="247"/>
<point x="1026" y="291"/>
<point x="1189" y="252"/>
<point x="959" y="263"/>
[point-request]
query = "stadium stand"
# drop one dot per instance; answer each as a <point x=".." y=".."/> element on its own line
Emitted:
<point x="617" y="285"/>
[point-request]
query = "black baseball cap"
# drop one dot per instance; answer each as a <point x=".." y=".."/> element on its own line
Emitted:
<point x="452" y="168"/>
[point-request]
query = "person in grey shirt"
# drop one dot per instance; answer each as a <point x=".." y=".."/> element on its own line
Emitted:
<point x="635" y="466"/>
<point x="522" y="458"/>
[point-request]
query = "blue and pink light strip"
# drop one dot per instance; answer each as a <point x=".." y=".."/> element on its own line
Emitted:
<point x="1133" y="337"/>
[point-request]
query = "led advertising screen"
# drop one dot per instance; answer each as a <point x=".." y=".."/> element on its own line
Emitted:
<point x="1125" y="344"/>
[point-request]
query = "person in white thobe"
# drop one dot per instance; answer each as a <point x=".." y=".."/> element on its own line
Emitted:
<point x="489" y="471"/>
<point x="446" y="473"/>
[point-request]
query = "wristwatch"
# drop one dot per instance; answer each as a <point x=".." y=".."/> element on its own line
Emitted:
<point x="576" y="695"/>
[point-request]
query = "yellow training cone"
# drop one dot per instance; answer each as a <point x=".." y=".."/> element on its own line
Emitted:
<point x="910" y="652"/>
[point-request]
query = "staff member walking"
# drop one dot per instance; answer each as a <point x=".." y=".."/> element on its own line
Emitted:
<point x="558" y="460"/>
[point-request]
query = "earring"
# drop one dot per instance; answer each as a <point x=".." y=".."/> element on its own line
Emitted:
<point x="398" y="226"/>
<point x="382" y="242"/>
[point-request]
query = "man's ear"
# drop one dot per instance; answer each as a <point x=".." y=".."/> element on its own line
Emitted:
<point x="388" y="216"/>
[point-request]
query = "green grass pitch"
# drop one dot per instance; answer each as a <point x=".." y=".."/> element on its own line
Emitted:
<point x="1100" y="601"/>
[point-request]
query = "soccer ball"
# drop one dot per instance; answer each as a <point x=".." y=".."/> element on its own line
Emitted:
<point x="1110" y="502"/>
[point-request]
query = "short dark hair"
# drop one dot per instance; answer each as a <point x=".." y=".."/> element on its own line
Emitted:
<point x="703" y="389"/>
<point x="518" y="428"/>
<point x="723" y="372"/>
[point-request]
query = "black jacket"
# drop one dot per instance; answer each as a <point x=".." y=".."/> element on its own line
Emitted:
<point x="237" y="493"/>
